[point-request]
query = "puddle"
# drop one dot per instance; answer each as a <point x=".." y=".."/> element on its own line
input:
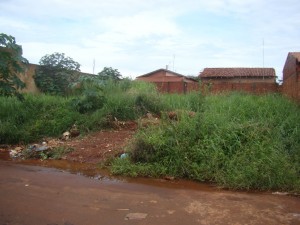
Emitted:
<point x="93" y="172"/>
<point x="4" y="155"/>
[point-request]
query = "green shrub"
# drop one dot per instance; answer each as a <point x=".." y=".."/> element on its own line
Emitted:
<point x="89" y="102"/>
<point x="236" y="140"/>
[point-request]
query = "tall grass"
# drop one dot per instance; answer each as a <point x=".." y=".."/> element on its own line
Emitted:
<point x="34" y="118"/>
<point x="40" y="116"/>
<point x="236" y="140"/>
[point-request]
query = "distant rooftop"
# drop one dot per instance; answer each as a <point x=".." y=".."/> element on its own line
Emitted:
<point x="238" y="72"/>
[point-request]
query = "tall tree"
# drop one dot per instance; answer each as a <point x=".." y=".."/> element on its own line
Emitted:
<point x="12" y="64"/>
<point x="56" y="73"/>
<point x="109" y="73"/>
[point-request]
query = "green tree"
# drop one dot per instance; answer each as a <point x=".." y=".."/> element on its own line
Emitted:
<point x="109" y="73"/>
<point x="56" y="73"/>
<point x="12" y="63"/>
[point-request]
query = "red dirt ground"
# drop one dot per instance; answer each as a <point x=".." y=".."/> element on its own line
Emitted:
<point x="102" y="145"/>
<point x="99" y="146"/>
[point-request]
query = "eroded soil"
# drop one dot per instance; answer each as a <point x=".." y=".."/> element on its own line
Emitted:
<point x="99" y="146"/>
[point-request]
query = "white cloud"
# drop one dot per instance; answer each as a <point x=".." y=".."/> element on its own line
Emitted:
<point x="138" y="36"/>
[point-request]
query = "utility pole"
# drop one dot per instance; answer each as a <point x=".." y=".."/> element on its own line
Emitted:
<point x="263" y="53"/>
<point x="94" y="66"/>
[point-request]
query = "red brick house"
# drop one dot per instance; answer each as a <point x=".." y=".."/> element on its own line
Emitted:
<point x="168" y="81"/>
<point x="291" y="76"/>
<point x="252" y="80"/>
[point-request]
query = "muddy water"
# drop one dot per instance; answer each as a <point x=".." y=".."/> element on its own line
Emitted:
<point x="31" y="194"/>
<point x="94" y="172"/>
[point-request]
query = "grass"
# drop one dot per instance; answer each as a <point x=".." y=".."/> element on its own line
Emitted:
<point x="40" y="116"/>
<point x="237" y="141"/>
<point x="34" y="118"/>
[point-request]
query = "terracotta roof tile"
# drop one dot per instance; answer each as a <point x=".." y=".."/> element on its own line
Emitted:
<point x="166" y="71"/>
<point x="238" y="72"/>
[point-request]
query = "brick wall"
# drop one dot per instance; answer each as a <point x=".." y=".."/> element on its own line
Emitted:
<point x="291" y="78"/>
<point x="291" y="87"/>
<point x="254" y="86"/>
<point x="176" y="87"/>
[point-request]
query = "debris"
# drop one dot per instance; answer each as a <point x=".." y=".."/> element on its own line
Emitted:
<point x="66" y="135"/>
<point x="136" y="216"/>
<point x="41" y="148"/>
<point x="280" y="193"/>
<point x="38" y="148"/>
<point x="14" y="153"/>
<point x="98" y="177"/>
<point x="169" y="178"/>
<point x="18" y="149"/>
<point x="124" y="155"/>
<point x="149" y="115"/>
<point x="74" y="132"/>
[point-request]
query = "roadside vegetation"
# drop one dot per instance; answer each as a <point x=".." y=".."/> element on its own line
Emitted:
<point x="92" y="108"/>
<point x="236" y="140"/>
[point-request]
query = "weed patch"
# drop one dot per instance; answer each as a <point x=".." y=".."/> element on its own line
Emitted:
<point x="236" y="140"/>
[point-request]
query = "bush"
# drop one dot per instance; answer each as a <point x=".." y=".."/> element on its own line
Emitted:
<point x="89" y="102"/>
<point x="238" y="141"/>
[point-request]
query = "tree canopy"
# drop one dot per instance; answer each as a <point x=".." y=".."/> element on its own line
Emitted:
<point x="56" y="73"/>
<point x="12" y="64"/>
<point x="110" y="73"/>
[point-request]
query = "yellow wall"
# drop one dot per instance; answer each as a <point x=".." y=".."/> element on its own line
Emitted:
<point x="28" y="79"/>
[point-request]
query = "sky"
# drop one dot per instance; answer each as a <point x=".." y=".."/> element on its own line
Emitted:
<point x="140" y="36"/>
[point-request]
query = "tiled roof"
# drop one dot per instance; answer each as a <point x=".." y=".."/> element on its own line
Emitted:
<point x="238" y="72"/>
<point x="165" y="70"/>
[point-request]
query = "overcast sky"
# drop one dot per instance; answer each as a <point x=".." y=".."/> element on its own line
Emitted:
<point x="139" y="36"/>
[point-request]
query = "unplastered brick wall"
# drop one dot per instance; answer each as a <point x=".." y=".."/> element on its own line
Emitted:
<point x="291" y="86"/>
<point x="254" y="88"/>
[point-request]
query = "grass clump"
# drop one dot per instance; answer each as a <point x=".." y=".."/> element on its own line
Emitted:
<point x="236" y="140"/>
<point x="34" y="118"/>
<point x="89" y="106"/>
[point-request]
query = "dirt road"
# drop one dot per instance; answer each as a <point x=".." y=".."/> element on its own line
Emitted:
<point x="32" y="195"/>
